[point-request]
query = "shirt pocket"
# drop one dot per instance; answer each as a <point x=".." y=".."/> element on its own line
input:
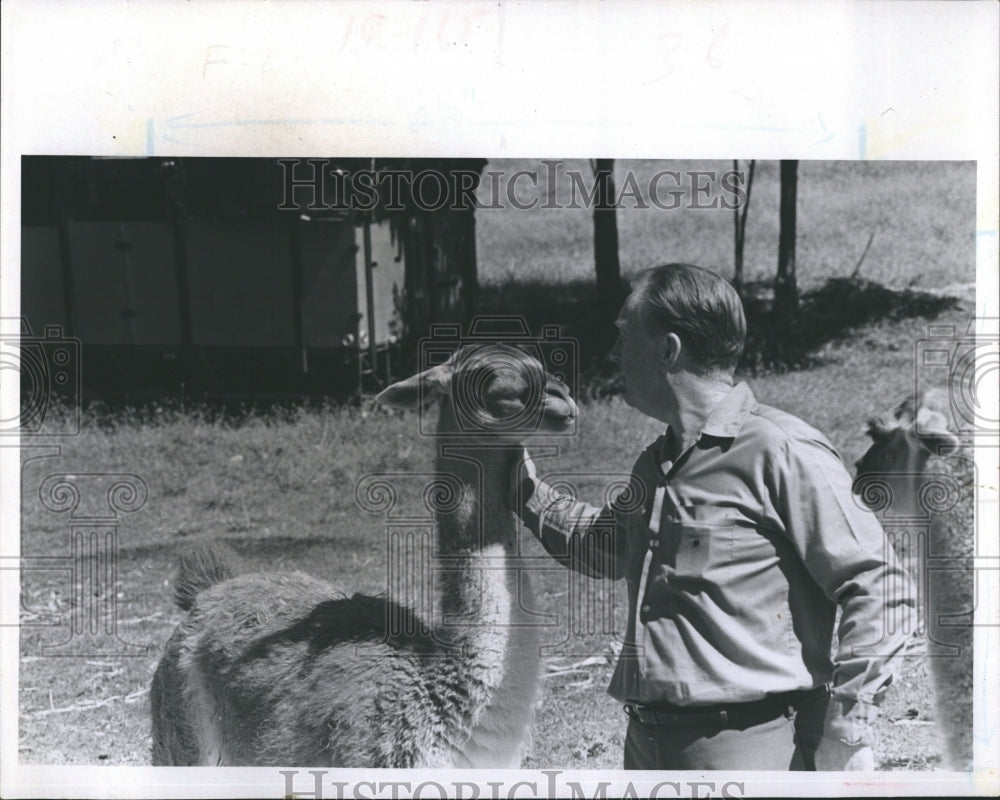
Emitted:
<point x="701" y="540"/>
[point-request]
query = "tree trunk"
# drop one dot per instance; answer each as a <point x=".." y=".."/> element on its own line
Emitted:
<point x="786" y="293"/>
<point x="783" y="334"/>
<point x="610" y="292"/>
<point x="784" y="339"/>
<point x="740" y="222"/>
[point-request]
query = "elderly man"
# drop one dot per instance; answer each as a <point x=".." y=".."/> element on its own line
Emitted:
<point x="738" y="541"/>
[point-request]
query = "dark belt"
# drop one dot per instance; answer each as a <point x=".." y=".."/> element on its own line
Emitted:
<point x="725" y="714"/>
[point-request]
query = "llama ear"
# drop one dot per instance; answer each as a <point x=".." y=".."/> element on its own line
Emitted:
<point x="418" y="389"/>
<point x="931" y="427"/>
<point x="906" y="411"/>
<point x="879" y="428"/>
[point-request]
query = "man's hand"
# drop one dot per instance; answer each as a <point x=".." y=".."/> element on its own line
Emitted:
<point x="833" y="755"/>
<point x="516" y="480"/>
<point x="847" y="739"/>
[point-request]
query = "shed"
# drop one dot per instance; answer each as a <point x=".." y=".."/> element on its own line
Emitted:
<point x="232" y="277"/>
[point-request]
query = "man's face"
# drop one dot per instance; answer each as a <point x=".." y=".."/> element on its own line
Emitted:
<point x="639" y="356"/>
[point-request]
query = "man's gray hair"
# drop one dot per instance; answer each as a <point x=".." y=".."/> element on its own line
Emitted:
<point x="701" y="307"/>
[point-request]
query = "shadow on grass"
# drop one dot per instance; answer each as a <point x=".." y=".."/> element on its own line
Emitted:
<point x="262" y="549"/>
<point x="830" y="313"/>
<point x="827" y="314"/>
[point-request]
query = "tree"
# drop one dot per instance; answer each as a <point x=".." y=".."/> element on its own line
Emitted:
<point x="610" y="291"/>
<point x="786" y="294"/>
<point x="740" y="222"/>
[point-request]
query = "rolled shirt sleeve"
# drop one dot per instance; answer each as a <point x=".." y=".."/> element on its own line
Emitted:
<point x="846" y="552"/>
<point x="593" y="541"/>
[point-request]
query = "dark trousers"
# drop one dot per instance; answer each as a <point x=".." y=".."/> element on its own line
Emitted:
<point x="809" y="718"/>
<point x="785" y="742"/>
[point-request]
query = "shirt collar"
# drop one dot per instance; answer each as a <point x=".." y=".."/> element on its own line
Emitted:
<point x="726" y="420"/>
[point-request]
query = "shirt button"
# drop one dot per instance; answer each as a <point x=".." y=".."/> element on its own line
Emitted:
<point x="644" y="609"/>
<point x="654" y="543"/>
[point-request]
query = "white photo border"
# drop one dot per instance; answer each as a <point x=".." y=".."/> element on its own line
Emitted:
<point x="720" y="79"/>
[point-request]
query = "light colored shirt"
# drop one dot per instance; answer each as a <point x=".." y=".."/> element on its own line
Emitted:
<point x="736" y="553"/>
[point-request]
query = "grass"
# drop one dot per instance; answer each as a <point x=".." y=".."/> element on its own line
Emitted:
<point x="922" y="215"/>
<point x="279" y="484"/>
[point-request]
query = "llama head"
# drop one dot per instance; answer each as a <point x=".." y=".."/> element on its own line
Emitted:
<point x="903" y="442"/>
<point x="494" y="391"/>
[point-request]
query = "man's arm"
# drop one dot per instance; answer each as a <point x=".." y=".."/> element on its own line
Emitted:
<point x="591" y="540"/>
<point x="847" y="553"/>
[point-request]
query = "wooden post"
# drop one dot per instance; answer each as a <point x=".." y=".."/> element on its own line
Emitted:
<point x="297" y="293"/>
<point x="786" y="294"/>
<point x="784" y="344"/>
<point x="609" y="281"/>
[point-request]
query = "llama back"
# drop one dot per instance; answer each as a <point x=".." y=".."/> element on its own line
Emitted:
<point x="188" y="718"/>
<point x="366" y="683"/>
<point x="258" y="649"/>
<point x="305" y="647"/>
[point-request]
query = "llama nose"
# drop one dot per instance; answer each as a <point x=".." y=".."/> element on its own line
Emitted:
<point x="559" y="391"/>
<point x="556" y="388"/>
<point x="616" y="352"/>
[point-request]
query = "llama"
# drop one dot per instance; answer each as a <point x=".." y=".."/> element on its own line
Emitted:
<point x="270" y="669"/>
<point x="916" y="454"/>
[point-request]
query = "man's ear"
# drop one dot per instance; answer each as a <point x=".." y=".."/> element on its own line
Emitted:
<point x="418" y="389"/>
<point x="671" y="348"/>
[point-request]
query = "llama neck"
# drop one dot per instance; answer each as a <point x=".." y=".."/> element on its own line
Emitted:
<point x="914" y="477"/>
<point x="476" y="533"/>
<point x="494" y="663"/>
<point x="926" y="481"/>
<point x="481" y="516"/>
